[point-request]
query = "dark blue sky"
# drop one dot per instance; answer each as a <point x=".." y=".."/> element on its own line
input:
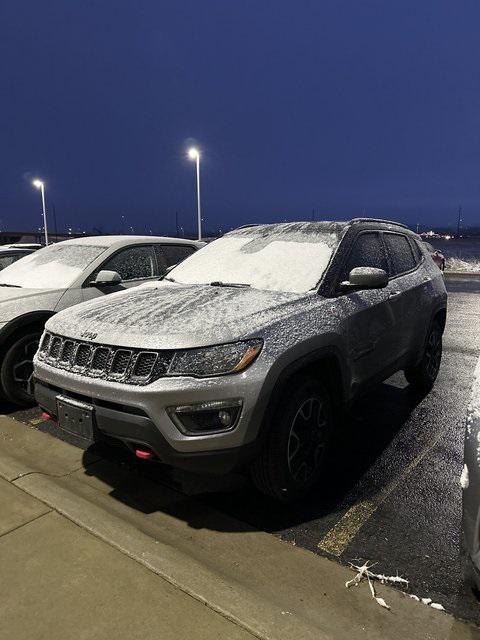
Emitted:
<point x="339" y="105"/>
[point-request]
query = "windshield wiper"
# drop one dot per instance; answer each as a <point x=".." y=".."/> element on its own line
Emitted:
<point x="167" y="278"/>
<point x="3" y="284"/>
<point x="217" y="283"/>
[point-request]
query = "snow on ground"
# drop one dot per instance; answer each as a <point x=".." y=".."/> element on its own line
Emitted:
<point x="457" y="264"/>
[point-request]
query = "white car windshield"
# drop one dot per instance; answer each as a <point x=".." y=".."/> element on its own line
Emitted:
<point x="285" y="257"/>
<point x="54" y="267"/>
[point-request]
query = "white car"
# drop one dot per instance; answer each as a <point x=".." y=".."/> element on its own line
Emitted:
<point x="64" y="274"/>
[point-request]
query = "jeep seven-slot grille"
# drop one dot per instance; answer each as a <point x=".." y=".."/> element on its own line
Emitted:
<point x="118" y="364"/>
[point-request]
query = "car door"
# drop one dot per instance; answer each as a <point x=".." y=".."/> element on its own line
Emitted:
<point x="371" y="328"/>
<point x="409" y="292"/>
<point x="135" y="264"/>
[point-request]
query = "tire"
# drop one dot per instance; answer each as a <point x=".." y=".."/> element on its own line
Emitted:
<point x="16" y="372"/>
<point x="293" y="455"/>
<point x="423" y="375"/>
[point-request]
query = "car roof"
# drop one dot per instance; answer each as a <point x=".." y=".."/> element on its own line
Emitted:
<point x="323" y="226"/>
<point x="14" y="250"/>
<point x="121" y="241"/>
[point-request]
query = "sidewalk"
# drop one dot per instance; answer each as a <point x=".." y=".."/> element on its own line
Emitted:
<point x="88" y="550"/>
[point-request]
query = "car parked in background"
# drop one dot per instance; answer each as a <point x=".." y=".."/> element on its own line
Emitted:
<point x="470" y="480"/>
<point x="437" y="256"/>
<point x="245" y="353"/>
<point x="9" y="256"/>
<point x="64" y="274"/>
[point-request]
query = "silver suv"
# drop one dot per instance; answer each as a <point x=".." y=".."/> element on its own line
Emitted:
<point x="246" y="352"/>
<point x="61" y="275"/>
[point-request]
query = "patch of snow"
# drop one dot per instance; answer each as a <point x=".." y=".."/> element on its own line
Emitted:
<point x="363" y="572"/>
<point x="464" y="477"/>
<point x="458" y="264"/>
<point x="289" y="257"/>
<point x="54" y="267"/>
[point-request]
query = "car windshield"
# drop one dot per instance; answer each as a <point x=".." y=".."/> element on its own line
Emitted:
<point x="283" y="257"/>
<point x="54" y="267"/>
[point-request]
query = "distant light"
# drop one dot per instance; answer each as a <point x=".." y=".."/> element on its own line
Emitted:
<point x="37" y="183"/>
<point x="193" y="153"/>
<point x="447" y="237"/>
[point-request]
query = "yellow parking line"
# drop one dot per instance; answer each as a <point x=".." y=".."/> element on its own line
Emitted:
<point x="339" y="537"/>
<point x="36" y="421"/>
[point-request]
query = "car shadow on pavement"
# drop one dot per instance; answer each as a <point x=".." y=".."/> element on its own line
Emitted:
<point x="363" y="434"/>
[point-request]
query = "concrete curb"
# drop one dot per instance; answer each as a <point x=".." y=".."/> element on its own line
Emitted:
<point x="461" y="274"/>
<point x="269" y="588"/>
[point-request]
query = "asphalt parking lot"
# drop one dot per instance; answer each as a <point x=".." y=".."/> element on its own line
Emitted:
<point x="391" y="493"/>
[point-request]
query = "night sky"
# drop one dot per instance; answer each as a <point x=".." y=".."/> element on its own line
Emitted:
<point x="342" y="106"/>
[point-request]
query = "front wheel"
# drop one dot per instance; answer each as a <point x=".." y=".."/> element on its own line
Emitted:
<point x="423" y="375"/>
<point x="293" y="455"/>
<point x="16" y="373"/>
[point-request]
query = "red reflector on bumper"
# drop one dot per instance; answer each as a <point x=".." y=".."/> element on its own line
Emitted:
<point x="143" y="454"/>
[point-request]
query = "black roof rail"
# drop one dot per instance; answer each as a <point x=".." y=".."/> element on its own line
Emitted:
<point x="246" y="226"/>
<point x="399" y="224"/>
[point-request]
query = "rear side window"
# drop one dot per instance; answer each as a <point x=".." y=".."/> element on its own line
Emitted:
<point x="400" y="253"/>
<point x="134" y="263"/>
<point x="171" y="254"/>
<point x="417" y="252"/>
<point x="367" y="251"/>
<point x="175" y="253"/>
<point x="7" y="260"/>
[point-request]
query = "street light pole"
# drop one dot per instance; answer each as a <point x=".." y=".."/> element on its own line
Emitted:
<point x="194" y="154"/>
<point x="40" y="185"/>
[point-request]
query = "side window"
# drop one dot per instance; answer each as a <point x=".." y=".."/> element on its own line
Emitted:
<point x="367" y="251"/>
<point x="400" y="253"/>
<point x="417" y="252"/>
<point x="175" y="253"/>
<point x="132" y="263"/>
<point x="5" y="261"/>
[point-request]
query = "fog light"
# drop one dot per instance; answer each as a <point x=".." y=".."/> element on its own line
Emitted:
<point x="208" y="417"/>
<point x="225" y="418"/>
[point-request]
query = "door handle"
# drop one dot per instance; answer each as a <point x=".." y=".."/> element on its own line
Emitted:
<point x="394" y="294"/>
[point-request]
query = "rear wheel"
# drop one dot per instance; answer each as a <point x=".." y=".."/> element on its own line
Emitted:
<point x="292" y="458"/>
<point x="16" y="372"/>
<point x="422" y="376"/>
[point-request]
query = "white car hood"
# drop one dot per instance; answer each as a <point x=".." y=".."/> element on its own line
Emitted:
<point x="165" y="315"/>
<point x="17" y="301"/>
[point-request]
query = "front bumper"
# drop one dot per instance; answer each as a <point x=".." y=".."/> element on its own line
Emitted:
<point x="138" y="430"/>
<point x="138" y="414"/>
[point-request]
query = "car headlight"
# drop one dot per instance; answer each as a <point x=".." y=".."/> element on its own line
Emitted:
<point x="215" y="361"/>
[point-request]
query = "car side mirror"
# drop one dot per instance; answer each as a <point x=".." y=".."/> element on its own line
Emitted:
<point x="365" y="278"/>
<point x="106" y="279"/>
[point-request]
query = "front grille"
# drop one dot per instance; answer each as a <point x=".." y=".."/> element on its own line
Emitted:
<point x="120" y="362"/>
<point x="82" y="357"/>
<point x="144" y="364"/>
<point x="67" y="351"/>
<point x="107" y="362"/>
<point x="100" y="359"/>
<point x="45" y="342"/>
<point x="55" y="347"/>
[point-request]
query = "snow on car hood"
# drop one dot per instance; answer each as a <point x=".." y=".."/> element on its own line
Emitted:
<point x="166" y="315"/>
<point x="16" y="301"/>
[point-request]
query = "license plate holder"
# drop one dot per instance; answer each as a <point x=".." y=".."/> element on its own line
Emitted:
<point x="75" y="417"/>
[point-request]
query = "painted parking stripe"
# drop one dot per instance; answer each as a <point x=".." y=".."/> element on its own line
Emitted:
<point x="339" y="537"/>
<point x="36" y="421"/>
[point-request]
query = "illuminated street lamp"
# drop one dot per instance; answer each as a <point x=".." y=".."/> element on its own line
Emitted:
<point x="40" y="185"/>
<point x="194" y="154"/>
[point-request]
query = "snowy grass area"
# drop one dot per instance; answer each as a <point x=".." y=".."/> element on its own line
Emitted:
<point x="454" y="263"/>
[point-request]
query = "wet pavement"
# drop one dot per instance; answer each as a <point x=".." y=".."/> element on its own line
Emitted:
<point x="391" y="493"/>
